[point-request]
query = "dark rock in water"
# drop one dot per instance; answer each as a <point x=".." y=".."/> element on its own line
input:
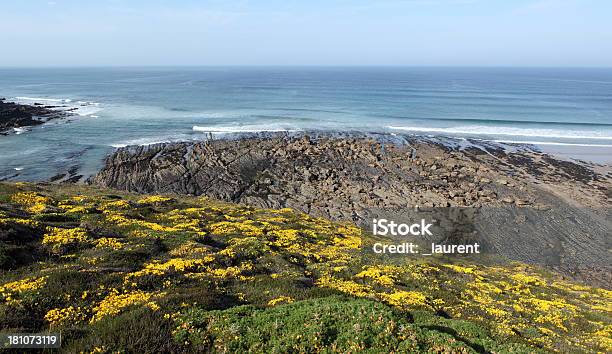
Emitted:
<point x="352" y="177"/>
<point x="8" y="177"/>
<point x="70" y="176"/>
<point x="57" y="177"/>
<point x="14" y="115"/>
<point x="74" y="179"/>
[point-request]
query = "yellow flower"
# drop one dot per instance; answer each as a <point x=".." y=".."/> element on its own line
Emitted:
<point x="402" y="298"/>
<point x="121" y="220"/>
<point x="284" y="238"/>
<point x="459" y="269"/>
<point x="245" y="228"/>
<point x="11" y="292"/>
<point x="528" y="279"/>
<point x="189" y="248"/>
<point x="175" y="264"/>
<point x="152" y="305"/>
<point x="34" y="202"/>
<point x="229" y="272"/>
<point x="279" y="300"/>
<point x="115" y="302"/>
<point x="58" y="238"/>
<point x="119" y="204"/>
<point x="346" y="286"/>
<point x="383" y="275"/>
<point x="154" y="199"/>
<point x="68" y="315"/>
<point x="107" y="242"/>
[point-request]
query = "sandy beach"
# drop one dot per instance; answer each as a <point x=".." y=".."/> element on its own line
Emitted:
<point x="600" y="155"/>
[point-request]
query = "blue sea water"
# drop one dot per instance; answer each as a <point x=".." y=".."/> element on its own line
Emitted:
<point x="126" y="106"/>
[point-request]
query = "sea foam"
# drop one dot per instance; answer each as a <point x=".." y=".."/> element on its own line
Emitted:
<point x="509" y="131"/>
<point x="240" y="129"/>
<point x="80" y="108"/>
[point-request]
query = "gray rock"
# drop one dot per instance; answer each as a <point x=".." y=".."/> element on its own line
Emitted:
<point x="351" y="180"/>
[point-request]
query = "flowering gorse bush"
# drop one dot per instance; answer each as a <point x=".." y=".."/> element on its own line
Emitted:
<point x="175" y="257"/>
<point x="13" y="293"/>
<point x="67" y="316"/>
<point x="33" y="202"/>
<point x="58" y="239"/>
<point x="115" y="302"/>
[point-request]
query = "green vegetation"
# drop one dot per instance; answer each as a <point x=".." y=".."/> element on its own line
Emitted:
<point x="131" y="273"/>
<point x="334" y="324"/>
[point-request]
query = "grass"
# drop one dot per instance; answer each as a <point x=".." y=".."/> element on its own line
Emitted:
<point x="131" y="273"/>
<point x="334" y="324"/>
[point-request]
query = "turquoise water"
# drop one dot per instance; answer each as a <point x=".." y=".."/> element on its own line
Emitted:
<point x="121" y="106"/>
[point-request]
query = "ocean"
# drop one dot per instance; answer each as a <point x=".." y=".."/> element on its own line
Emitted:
<point x="569" y="108"/>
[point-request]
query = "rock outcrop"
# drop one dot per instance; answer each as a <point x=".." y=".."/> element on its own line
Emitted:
<point x="564" y="206"/>
<point x="14" y="115"/>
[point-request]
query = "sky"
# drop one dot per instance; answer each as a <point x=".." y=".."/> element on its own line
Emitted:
<point x="306" y="32"/>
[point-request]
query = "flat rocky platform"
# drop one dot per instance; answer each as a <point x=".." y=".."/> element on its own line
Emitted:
<point x="14" y="115"/>
<point x="529" y="206"/>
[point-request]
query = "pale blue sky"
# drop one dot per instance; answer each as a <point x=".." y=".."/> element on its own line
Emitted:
<point x="306" y="32"/>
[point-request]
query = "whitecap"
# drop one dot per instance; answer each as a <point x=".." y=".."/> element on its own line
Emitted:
<point x="150" y="141"/>
<point x="239" y="129"/>
<point x="87" y="110"/>
<point x="552" y="143"/>
<point x="80" y="108"/>
<point x="38" y="99"/>
<point x="139" y="142"/>
<point x="509" y="131"/>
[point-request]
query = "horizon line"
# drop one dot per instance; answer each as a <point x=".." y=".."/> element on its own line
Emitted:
<point x="299" y="66"/>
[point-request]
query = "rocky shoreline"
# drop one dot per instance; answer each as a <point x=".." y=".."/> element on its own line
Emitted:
<point x="14" y="115"/>
<point x="558" y="212"/>
<point x="315" y="172"/>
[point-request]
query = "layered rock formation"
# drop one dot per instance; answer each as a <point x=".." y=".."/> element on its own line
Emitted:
<point x="557" y="211"/>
